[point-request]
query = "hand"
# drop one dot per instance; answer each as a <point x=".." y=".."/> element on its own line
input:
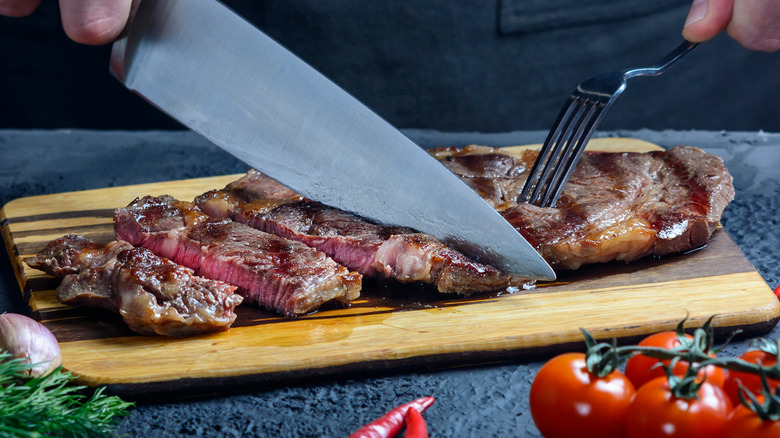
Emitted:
<point x="85" y="21"/>
<point x="753" y="23"/>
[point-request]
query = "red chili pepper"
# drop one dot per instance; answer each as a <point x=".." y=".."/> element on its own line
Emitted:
<point x="390" y="424"/>
<point x="415" y="425"/>
<point x="777" y="292"/>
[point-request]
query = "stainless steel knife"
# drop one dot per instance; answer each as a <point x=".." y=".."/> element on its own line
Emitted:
<point x="223" y="78"/>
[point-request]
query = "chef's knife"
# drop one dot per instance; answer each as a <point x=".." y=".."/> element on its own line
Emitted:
<point x="220" y="76"/>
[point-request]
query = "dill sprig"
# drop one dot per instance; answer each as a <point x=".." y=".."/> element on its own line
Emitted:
<point x="50" y="405"/>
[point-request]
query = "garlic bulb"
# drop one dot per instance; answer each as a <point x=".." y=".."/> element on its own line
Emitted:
<point x="24" y="337"/>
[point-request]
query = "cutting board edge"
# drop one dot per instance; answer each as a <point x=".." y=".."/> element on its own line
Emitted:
<point x="752" y="321"/>
<point x="608" y="144"/>
<point x="14" y="258"/>
<point x="156" y="391"/>
<point x="5" y="217"/>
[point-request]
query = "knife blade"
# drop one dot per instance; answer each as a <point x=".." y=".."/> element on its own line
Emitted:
<point x="220" y="76"/>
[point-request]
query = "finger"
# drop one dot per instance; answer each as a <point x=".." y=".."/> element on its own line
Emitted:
<point x="94" y="21"/>
<point x="18" y="8"/>
<point x="756" y="24"/>
<point x="706" y="19"/>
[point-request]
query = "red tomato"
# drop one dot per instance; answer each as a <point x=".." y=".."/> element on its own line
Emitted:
<point x="655" y="412"/>
<point x="744" y="423"/>
<point x="567" y="400"/>
<point x="750" y="381"/>
<point x="777" y="292"/>
<point x="640" y="369"/>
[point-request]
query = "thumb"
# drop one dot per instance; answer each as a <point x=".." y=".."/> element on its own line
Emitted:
<point x="18" y="8"/>
<point x="706" y="19"/>
<point x="95" y="21"/>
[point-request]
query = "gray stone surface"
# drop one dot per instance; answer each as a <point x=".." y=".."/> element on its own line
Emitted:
<point x="480" y="401"/>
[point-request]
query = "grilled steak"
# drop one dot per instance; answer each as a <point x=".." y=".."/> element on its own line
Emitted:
<point x="493" y="174"/>
<point x="371" y="249"/>
<point x="72" y="253"/>
<point x="616" y="206"/>
<point x="281" y="274"/>
<point x="152" y="294"/>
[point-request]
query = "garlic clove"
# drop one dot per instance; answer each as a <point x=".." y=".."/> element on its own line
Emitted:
<point x="24" y="337"/>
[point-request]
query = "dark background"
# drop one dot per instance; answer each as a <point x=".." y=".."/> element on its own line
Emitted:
<point x="486" y="66"/>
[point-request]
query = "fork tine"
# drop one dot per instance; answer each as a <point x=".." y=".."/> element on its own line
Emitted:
<point x="534" y="176"/>
<point x="575" y="125"/>
<point x="549" y="153"/>
<point x="566" y="133"/>
<point x="564" y="150"/>
<point x="572" y="153"/>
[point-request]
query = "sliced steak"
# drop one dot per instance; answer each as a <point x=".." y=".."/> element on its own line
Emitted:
<point x="152" y="294"/>
<point x="70" y="254"/>
<point x="281" y="274"/>
<point x="372" y="249"/>
<point x="616" y="206"/>
<point x="493" y="174"/>
<point x="152" y="288"/>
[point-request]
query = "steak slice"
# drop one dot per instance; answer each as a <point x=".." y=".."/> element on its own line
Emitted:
<point x="616" y="206"/>
<point x="152" y="294"/>
<point x="372" y="249"/>
<point x="281" y="274"/>
<point x="493" y="174"/>
<point x="72" y="253"/>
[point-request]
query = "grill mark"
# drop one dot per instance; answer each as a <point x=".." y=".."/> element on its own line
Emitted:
<point x="697" y="194"/>
<point x="693" y="198"/>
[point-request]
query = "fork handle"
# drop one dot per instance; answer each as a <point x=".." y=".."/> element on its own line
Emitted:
<point x="662" y="65"/>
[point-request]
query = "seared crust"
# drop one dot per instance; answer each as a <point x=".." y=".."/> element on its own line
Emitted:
<point x="152" y="294"/>
<point x="616" y="206"/>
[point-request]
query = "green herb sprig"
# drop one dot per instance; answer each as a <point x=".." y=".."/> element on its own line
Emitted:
<point x="50" y="405"/>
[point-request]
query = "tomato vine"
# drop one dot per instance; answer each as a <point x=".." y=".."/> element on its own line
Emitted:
<point x="675" y="384"/>
<point x="697" y="349"/>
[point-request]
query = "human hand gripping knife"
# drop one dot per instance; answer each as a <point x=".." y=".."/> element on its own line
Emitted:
<point x="220" y="76"/>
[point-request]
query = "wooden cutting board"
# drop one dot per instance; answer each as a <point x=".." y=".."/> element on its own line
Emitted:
<point x="390" y="327"/>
